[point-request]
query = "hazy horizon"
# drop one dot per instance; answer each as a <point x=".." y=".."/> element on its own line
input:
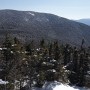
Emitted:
<point x="71" y="9"/>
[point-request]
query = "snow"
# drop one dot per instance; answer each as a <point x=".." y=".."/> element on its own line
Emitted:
<point x="26" y="19"/>
<point x="62" y="87"/>
<point x="31" y="13"/>
<point x="4" y="48"/>
<point x="14" y="45"/>
<point x="38" y="49"/>
<point x="44" y="62"/>
<point x="24" y="59"/>
<point x="11" y="51"/>
<point x="1" y="69"/>
<point x="39" y="19"/>
<point x="3" y="82"/>
<point x="42" y="19"/>
<point x="52" y="70"/>
<point x="88" y="72"/>
<point x="0" y="48"/>
<point x="47" y="19"/>
<point x="53" y="60"/>
<point x="57" y="86"/>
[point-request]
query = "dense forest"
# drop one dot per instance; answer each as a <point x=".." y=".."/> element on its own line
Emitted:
<point x="34" y="64"/>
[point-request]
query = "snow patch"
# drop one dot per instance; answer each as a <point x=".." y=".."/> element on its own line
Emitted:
<point x="11" y="51"/>
<point x="57" y="86"/>
<point x="0" y="48"/>
<point x="42" y="19"/>
<point x="47" y="19"/>
<point x="63" y="87"/>
<point x="88" y="72"/>
<point x="3" y="82"/>
<point x="53" y="60"/>
<point x="26" y="19"/>
<point x="44" y="62"/>
<point x="52" y="70"/>
<point x="31" y="13"/>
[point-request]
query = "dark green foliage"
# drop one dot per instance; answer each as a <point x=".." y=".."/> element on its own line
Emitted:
<point x="66" y="54"/>
<point x="47" y="62"/>
<point x="42" y="43"/>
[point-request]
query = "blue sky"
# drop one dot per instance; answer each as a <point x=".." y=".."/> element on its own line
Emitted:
<point x="72" y="9"/>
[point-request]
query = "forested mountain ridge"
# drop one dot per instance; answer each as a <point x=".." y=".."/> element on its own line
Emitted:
<point x="85" y="21"/>
<point x="27" y="25"/>
<point x="27" y="65"/>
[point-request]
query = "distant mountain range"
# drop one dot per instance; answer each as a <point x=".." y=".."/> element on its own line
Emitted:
<point x="85" y="21"/>
<point x="27" y="25"/>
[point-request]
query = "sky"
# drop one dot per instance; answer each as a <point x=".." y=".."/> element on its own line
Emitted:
<point x="71" y="9"/>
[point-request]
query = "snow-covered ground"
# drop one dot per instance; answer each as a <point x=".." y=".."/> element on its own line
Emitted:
<point x="3" y="82"/>
<point x="57" y="86"/>
<point x="52" y="86"/>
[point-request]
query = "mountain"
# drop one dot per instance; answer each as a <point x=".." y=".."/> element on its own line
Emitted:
<point x="85" y="21"/>
<point x="27" y="25"/>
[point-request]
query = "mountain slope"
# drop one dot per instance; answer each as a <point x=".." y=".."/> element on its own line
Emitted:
<point x="28" y="25"/>
<point x="85" y="21"/>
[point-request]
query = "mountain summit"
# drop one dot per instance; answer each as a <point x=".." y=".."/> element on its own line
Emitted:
<point x="27" y="25"/>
